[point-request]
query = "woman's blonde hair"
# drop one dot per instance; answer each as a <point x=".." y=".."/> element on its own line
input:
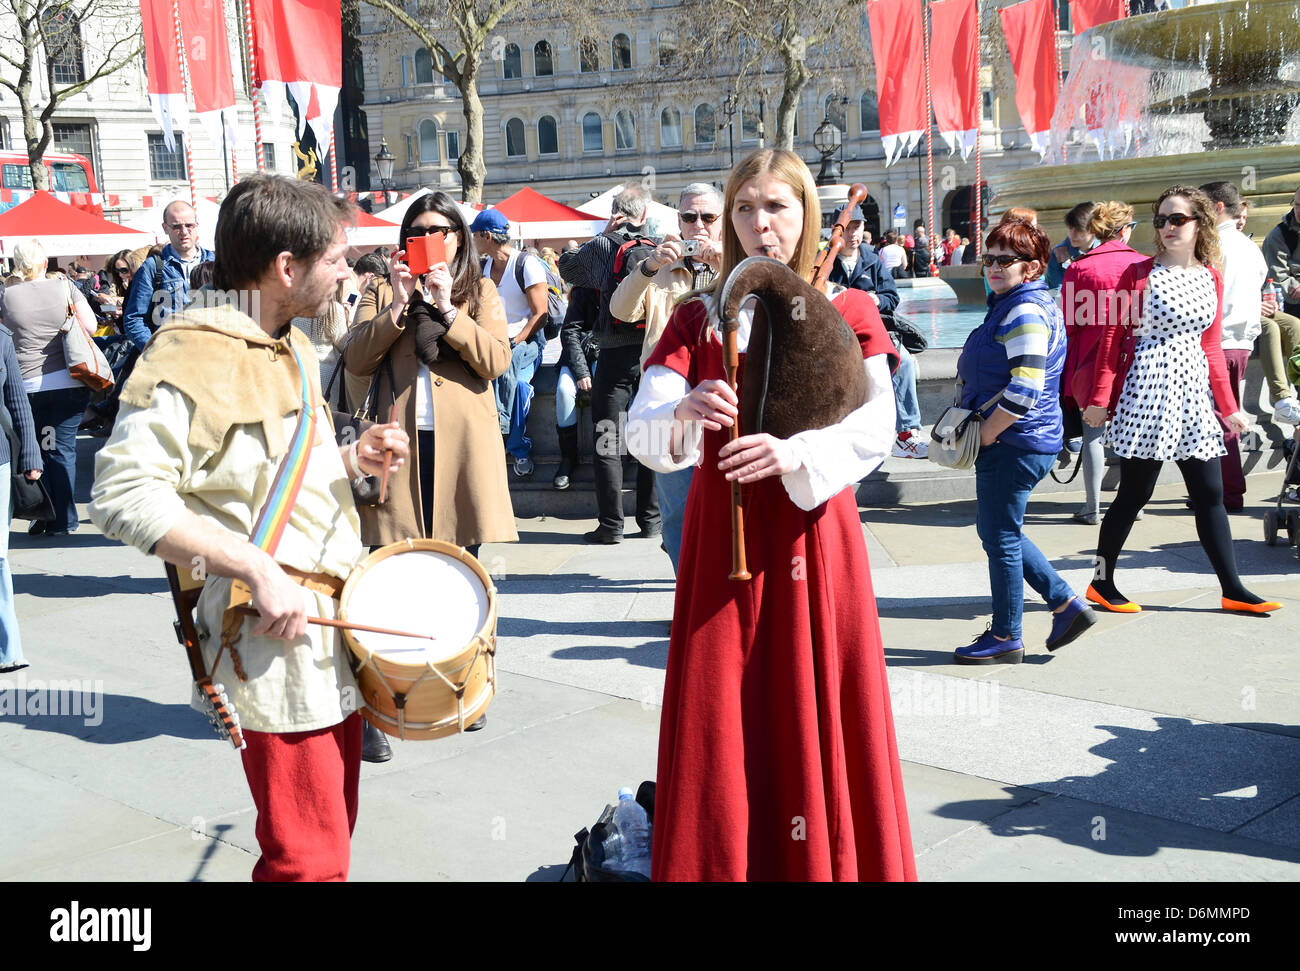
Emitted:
<point x="1207" y="225"/>
<point x="790" y="169"/>
<point x="1109" y="219"/>
<point x="29" y="259"/>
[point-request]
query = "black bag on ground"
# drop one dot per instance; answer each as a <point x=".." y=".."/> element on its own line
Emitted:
<point x="588" y="860"/>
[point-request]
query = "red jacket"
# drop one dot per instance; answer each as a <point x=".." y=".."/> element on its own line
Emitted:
<point x="1115" y="353"/>
<point x="1086" y="302"/>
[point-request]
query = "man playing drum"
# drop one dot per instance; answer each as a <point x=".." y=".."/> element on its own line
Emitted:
<point x="223" y="461"/>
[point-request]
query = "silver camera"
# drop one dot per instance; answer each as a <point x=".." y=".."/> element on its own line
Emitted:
<point x="690" y="247"/>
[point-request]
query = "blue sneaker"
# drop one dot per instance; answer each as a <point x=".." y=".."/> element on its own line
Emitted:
<point x="987" y="649"/>
<point x="1069" y="623"/>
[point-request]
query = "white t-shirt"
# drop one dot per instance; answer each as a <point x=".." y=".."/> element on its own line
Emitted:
<point x="513" y="300"/>
<point x="893" y="255"/>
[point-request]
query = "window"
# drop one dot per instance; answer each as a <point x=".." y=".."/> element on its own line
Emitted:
<point x="622" y="49"/>
<point x="624" y="131"/>
<point x="548" y="137"/>
<point x="667" y="47"/>
<point x="835" y="112"/>
<point x="749" y="119"/>
<point x="453" y="146"/>
<point x="515" y="138"/>
<point x="868" y="113"/>
<point x="69" y="177"/>
<point x="986" y="105"/>
<point x="268" y="156"/>
<point x="428" y="137"/>
<point x="423" y="66"/>
<point x="512" y="64"/>
<point x="15" y="176"/>
<point x="589" y="56"/>
<point x="593" y="138"/>
<point x="4" y="134"/>
<point x="670" y="128"/>
<point x="73" y="138"/>
<point x="706" y="129"/>
<point x="543" y="66"/>
<point x="165" y="166"/>
<point x="63" y="44"/>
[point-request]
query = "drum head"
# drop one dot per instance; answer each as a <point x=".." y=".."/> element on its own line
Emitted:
<point x="422" y="591"/>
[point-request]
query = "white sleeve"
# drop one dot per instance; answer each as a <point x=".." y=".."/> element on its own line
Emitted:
<point x="534" y="272"/>
<point x="839" y="455"/>
<point x="651" y="426"/>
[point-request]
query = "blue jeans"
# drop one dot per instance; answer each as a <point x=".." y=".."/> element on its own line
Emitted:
<point x="514" y="393"/>
<point x="57" y="415"/>
<point x="566" y="400"/>
<point x="11" y="645"/>
<point x="1004" y="478"/>
<point x="672" y="489"/>
<point x="906" y="407"/>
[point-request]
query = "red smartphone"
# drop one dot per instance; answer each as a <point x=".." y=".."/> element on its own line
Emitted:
<point x="424" y="253"/>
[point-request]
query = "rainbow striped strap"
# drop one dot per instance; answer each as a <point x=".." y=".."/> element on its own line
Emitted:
<point x="289" y="477"/>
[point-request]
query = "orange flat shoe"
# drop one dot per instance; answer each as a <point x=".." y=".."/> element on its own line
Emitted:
<point x="1245" y="608"/>
<point x="1127" y="607"/>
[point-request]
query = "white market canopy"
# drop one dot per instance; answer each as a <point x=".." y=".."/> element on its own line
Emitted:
<point x="664" y="218"/>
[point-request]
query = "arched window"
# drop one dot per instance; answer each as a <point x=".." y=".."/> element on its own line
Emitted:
<point x="423" y="66"/>
<point x="667" y="47"/>
<point x="428" y="143"/>
<point x="63" y="43"/>
<point x="624" y="131"/>
<point x="593" y="138"/>
<point x="868" y="112"/>
<point x="749" y="119"/>
<point x="706" y="128"/>
<point x="670" y="128"/>
<point x="515" y="138"/>
<point x="543" y="67"/>
<point x="835" y="112"/>
<point x="512" y="64"/>
<point x="588" y="56"/>
<point x="622" y="50"/>
<point x="548" y="138"/>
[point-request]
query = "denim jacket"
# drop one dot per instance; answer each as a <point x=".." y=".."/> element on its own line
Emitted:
<point x="139" y="318"/>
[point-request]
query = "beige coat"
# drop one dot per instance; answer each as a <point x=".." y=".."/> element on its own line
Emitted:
<point x="652" y="299"/>
<point x="471" y="497"/>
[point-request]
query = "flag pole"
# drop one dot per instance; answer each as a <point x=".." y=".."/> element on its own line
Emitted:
<point x="929" y="128"/>
<point x="979" y="130"/>
<point x="334" y="172"/>
<point x="255" y="84"/>
<point x="185" y="76"/>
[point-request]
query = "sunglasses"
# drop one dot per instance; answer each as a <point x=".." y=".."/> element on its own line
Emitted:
<point x="708" y="218"/>
<point x="121" y="269"/>
<point x="1002" y="259"/>
<point x="432" y="231"/>
<point x="1178" y="220"/>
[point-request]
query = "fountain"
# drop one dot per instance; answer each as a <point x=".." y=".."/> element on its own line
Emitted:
<point x="1189" y="96"/>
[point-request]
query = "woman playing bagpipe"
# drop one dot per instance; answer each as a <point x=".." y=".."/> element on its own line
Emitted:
<point x="777" y="757"/>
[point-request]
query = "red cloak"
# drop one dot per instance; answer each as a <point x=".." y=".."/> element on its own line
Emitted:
<point x="777" y="757"/>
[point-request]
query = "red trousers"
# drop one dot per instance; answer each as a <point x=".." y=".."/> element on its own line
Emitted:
<point x="304" y="785"/>
<point x="1234" y="480"/>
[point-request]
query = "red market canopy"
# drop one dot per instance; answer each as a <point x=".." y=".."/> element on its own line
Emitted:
<point x="372" y="231"/>
<point x="64" y="230"/>
<point x="534" y="216"/>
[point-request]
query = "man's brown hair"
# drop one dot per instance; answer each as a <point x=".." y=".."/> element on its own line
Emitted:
<point x="266" y="215"/>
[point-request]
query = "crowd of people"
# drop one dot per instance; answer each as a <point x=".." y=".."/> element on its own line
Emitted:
<point x="367" y="369"/>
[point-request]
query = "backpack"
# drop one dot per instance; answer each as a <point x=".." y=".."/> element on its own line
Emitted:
<point x="626" y="259"/>
<point x="556" y="305"/>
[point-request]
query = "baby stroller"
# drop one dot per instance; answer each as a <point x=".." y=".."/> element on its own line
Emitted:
<point x="1276" y="521"/>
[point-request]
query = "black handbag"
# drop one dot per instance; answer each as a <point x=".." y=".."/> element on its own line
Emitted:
<point x="912" y="339"/>
<point x="365" y="491"/>
<point x="31" y="500"/>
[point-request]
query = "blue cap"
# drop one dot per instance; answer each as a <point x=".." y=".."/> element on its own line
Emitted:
<point x="856" y="217"/>
<point x="490" y="221"/>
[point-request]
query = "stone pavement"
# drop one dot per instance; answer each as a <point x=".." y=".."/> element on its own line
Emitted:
<point x="1162" y="746"/>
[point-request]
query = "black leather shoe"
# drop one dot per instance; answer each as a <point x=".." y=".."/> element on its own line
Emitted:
<point x="37" y="527"/>
<point x="374" y="745"/>
<point x="479" y="725"/>
<point x="653" y="532"/>
<point x="602" y="535"/>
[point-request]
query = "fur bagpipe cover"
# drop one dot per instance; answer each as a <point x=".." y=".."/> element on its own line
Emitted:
<point x="803" y="366"/>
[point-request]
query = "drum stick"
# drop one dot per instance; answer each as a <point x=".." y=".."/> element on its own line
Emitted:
<point x="388" y="457"/>
<point x="345" y="625"/>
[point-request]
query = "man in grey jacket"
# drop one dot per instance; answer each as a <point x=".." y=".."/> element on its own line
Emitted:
<point x="1282" y="253"/>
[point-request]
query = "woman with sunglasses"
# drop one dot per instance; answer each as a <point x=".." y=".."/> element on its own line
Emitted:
<point x="777" y="757"/>
<point x="117" y="276"/>
<point x="1154" y="377"/>
<point x="1087" y="299"/>
<point x="1010" y="370"/>
<point x="444" y="335"/>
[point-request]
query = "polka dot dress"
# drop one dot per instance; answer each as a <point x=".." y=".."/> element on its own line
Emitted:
<point x="1164" y="410"/>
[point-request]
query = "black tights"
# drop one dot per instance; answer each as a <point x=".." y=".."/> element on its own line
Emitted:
<point x="1137" y="481"/>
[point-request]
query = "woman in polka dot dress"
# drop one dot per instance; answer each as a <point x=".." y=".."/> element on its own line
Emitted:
<point x="1154" y="377"/>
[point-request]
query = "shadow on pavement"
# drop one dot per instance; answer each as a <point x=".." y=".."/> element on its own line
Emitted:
<point x="60" y="586"/>
<point x="103" y="719"/>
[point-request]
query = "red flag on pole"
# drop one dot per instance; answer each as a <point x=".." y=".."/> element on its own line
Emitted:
<point x="954" y="37"/>
<point x="299" y="43"/>
<point x="1086" y="14"/>
<point x="900" y="73"/>
<point x="163" y="68"/>
<point x="207" y="55"/>
<point x="1031" y="41"/>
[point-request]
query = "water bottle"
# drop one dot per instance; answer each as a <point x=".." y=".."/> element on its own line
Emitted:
<point x="627" y="845"/>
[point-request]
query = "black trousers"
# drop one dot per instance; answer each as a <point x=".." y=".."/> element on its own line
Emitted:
<point x="618" y="372"/>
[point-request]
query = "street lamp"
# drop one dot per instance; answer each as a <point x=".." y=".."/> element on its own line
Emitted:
<point x="384" y="166"/>
<point x="730" y="105"/>
<point x="827" y="139"/>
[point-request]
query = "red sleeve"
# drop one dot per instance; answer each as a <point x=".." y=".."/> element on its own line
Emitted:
<point x="1106" y="370"/>
<point x="859" y="312"/>
<point x="676" y="348"/>
<point x="1225" y="395"/>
